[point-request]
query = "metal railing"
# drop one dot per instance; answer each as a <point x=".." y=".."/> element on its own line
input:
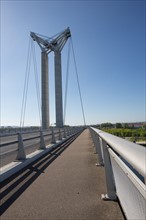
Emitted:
<point x="58" y="138"/>
<point x="22" y="141"/>
<point x="125" y="171"/>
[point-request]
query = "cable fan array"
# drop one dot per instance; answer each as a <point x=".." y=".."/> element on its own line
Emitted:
<point x="31" y="58"/>
<point x="77" y="77"/>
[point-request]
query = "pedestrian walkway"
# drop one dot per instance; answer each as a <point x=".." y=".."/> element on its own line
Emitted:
<point x="70" y="188"/>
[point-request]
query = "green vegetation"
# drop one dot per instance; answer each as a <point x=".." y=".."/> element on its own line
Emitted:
<point x="134" y="134"/>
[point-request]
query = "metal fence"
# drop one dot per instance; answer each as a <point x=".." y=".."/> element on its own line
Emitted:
<point x="17" y="146"/>
<point x="58" y="138"/>
<point x="125" y="171"/>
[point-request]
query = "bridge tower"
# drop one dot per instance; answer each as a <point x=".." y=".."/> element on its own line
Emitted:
<point x="44" y="81"/>
<point x="60" y="42"/>
<point x="47" y="45"/>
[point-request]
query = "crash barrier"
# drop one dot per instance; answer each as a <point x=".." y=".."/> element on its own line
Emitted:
<point x="125" y="171"/>
<point x="23" y="160"/>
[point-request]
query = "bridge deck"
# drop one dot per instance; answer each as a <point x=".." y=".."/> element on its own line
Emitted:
<point x="69" y="188"/>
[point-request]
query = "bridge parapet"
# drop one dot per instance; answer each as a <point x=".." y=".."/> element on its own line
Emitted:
<point x="55" y="137"/>
<point x="125" y="171"/>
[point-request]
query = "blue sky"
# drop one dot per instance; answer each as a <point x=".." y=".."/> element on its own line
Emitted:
<point x="109" y="44"/>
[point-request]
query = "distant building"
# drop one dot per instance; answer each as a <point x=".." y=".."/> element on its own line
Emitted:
<point x="136" y="124"/>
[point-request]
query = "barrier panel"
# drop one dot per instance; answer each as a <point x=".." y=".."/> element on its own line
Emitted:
<point x="125" y="171"/>
<point x="22" y="159"/>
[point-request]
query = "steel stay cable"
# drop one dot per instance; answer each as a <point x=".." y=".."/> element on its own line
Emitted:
<point x="25" y="87"/>
<point x="36" y="80"/>
<point x="78" y="82"/>
<point x="31" y="55"/>
<point x="26" y="90"/>
<point x="66" y="85"/>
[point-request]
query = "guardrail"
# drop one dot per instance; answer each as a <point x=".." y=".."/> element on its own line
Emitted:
<point x="22" y="160"/>
<point x="125" y="171"/>
<point x="62" y="133"/>
<point x="15" y="138"/>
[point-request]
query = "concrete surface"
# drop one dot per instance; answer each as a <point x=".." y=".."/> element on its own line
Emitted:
<point x="70" y="188"/>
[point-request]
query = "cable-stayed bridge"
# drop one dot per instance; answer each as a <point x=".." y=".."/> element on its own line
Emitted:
<point x="66" y="172"/>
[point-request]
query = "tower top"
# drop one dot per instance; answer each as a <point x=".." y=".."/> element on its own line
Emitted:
<point x="55" y="43"/>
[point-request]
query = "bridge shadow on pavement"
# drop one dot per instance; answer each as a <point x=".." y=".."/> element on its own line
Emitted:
<point x="13" y="187"/>
<point x="70" y="188"/>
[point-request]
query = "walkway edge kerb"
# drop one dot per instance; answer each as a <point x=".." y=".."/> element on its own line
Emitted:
<point x="14" y="167"/>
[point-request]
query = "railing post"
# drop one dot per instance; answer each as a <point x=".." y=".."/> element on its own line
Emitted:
<point x="21" y="151"/>
<point x="98" y="147"/>
<point x="64" y="135"/>
<point x="42" y="142"/>
<point x="67" y="133"/>
<point x="111" y="189"/>
<point x="91" y="133"/>
<point x="53" y="137"/>
<point x="75" y="130"/>
<point x="60" y="136"/>
<point x="71" y="131"/>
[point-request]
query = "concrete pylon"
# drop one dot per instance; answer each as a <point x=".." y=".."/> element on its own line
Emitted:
<point x="45" y="90"/>
<point x="58" y="89"/>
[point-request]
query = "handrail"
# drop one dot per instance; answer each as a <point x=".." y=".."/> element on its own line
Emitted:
<point x="133" y="153"/>
<point x="56" y="131"/>
<point x="23" y="160"/>
<point x="125" y="172"/>
<point x="27" y="139"/>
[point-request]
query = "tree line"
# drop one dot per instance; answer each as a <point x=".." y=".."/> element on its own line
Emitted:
<point x="123" y="130"/>
<point x="126" y="132"/>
